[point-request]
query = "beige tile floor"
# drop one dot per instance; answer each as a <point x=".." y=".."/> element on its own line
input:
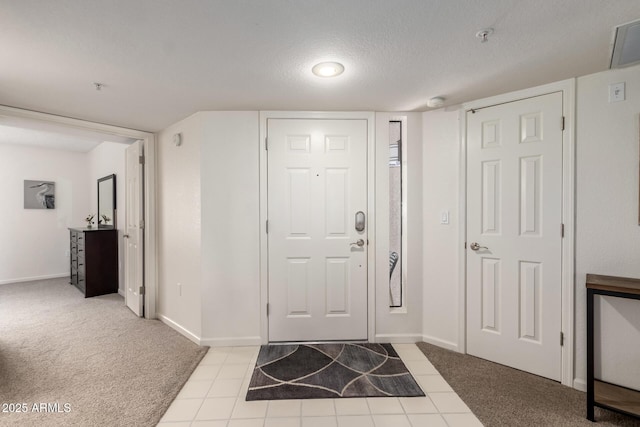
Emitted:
<point x="214" y="397"/>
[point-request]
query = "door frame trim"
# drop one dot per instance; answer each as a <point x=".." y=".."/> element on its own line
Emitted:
<point x="264" y="250"/>
<point x="567" y="88"/>
<point x="150" y="275"/>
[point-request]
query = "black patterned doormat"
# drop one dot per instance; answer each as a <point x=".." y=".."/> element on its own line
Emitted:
<point x="315" y="371"/>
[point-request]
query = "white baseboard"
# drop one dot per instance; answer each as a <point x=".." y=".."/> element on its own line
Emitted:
<point x="210" y="342"/>
<point x="176" y="327"/>
<point x="31" y="279"/>
<point x="580" y="384"/>
<point x="231" y="341"/>
<point x="121" y="293"/>
<point x="441" y="343"/>
<point x="398" y="338"/>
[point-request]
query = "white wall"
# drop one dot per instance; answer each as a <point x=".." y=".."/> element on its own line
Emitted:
<point x="441" y="159"/>
<point x="213" y="178"/>
<point x="106" y="159"/>
<point x="208" y="235"/>
<point x="179" y="228"/>
<point x="209" y="230"/>
<point x="399" y="325"/>
<point x="230" y="228"/>
<point x="607" y="231"/>
<point x="35" y="241"/>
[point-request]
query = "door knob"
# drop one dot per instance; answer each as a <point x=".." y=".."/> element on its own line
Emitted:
<point x="475" y="246"/>
<point x="360" y="243"/>
<point x="126" y="236"/>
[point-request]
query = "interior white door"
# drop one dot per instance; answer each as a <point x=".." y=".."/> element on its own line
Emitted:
<point x="134" y="230"/>
<point x="514" y="243"/>
<point x="317" y="172"/>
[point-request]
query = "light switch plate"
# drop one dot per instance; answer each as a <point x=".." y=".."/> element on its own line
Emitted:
<point x="444" y="217"/>
<point x="616" y="92"/>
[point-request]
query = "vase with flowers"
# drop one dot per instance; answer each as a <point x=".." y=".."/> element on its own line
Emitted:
<point x="89" y="220"/>
<point x="105" y="220"/>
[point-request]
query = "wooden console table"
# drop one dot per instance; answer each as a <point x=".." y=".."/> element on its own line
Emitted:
<point x="599" y="393"/>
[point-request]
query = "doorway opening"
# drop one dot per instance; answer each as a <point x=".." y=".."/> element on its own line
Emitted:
<point x="72" y="134"/>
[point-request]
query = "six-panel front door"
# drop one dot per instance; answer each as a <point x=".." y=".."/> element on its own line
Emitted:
<point x="317" y="229"/>
<point x="514" y="214"/>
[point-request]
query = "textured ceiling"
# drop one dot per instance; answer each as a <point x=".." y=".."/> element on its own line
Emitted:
<point x="162" y="60"/>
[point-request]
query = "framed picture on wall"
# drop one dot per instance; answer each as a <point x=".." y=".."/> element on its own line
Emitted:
<point x="39" y="194"/>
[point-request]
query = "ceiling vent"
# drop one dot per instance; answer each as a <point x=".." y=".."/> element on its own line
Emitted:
<point x="626" y="47"/>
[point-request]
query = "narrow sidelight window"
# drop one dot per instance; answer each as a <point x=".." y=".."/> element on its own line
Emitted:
<point x="395" y="214"/>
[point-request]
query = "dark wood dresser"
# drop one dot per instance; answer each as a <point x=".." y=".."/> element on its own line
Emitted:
<point x="94" y="260"/>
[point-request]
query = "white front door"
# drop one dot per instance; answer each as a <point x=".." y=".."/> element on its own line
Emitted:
<point x="134" y="231"/>
<point x="317" y="187"/>
<point x="514" y="243"/>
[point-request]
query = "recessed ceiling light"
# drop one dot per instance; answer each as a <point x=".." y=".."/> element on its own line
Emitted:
<point x="328" y="69"/>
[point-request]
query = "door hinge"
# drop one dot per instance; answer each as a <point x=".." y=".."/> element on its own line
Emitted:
<point x="141" y="160"/>
<point x="266" y="226"/>
<point x="465" y="245"/>
<point x="561" y="339"/>
<point x="561" y="230"/>
<point x="562" y="122"/>
<point x="266" y="143"/>
<point x="142" y="223"/>
<point x="141" y="290"/>
<point x="267" y="309"/>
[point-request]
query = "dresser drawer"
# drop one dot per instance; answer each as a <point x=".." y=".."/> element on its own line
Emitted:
<point x="77" y="240"/>
<point x="80" y="248"/>
<point x="75" y="246"/>
<point x="78" y="265"/>
<point x="81" y="282"/>
<point x="76" y="252"/>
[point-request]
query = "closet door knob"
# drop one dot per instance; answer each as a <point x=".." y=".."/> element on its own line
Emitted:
<point x="476" y="246"/>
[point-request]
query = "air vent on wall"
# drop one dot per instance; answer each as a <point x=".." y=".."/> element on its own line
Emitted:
<point x="626" y="47"/>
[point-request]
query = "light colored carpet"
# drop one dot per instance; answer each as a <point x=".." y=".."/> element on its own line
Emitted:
<point x="503" y="396"/>
<point x="111" y="367"/>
